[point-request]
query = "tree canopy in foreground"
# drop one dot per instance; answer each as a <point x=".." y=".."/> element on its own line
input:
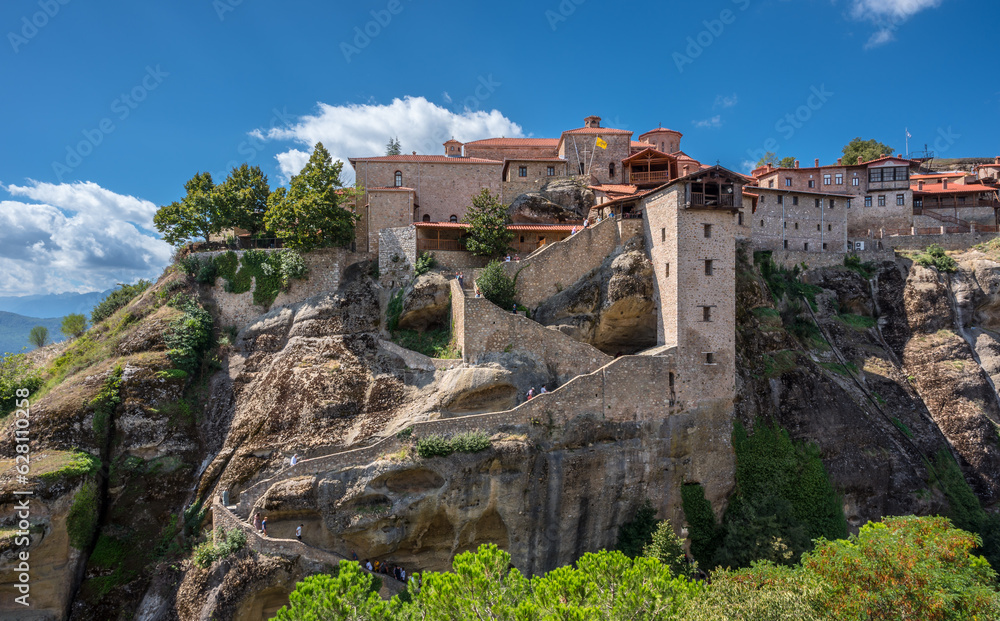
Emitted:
<point x="900" y="568"/>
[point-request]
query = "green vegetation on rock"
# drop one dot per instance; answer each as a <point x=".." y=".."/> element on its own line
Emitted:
<point x="783" y="282"/>
<point x="188" y="337"/>
<point x="964" y="508"/>
<point x="496" y="286"/>
<point x="81" y="521"/>
<point x="440" y="446"/>
<point x="117" y="299"/>
<point x="104" y="404"/>
<point x="16" y="373"/>
<point x="209" y="552"/>
<point x="934" y="256"/>
<point x="487" y="219"/>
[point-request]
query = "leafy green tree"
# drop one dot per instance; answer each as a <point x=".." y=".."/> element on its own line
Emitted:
<point x="666" y="547"/>
<point x="868" y="150"/>
<point x="906" y="568"/>
<point x="198" y="214"/>
<point x="637" y="533"/>
<point x="496" y="286"/>
<point x="772" y="158"/>
<point x="481" y="585"/>
<point x="393" y="147"/>
<point x="487" y="219"/>
<point x="762" y="592"/>
<point x="311" y="213"/>
<point x="74" y="325"/>
<point x="242" y="198"/>
<point x="350" y="595"/>
<point x="39" y="336"/>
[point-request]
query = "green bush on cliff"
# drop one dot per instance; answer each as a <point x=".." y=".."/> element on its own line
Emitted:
<point x="81" y="521"/>
<point x="637" y="533"/>
<point x="16" y="372"/>
<point x="117" y="299"/>
<point x="439" y="446"/>
<point x="268" y="273"/>
<point x="964" y="507"/>
<point x="783" y="282"/>
<point x="935" y="257"/>
<point x="208" y="552"/>
<point x="496" y="286"/>
<point x="189" y="336"/>
<point x="105" y="402"/>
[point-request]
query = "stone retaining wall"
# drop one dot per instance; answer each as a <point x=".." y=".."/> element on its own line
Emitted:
<point x="487" y="328"/>
<point x="952" y="241"/>
<point x="326" y="269"/>
<point x="789" y="258"/>
<point x="397" y="255"/>
<point x="560" y="264"/>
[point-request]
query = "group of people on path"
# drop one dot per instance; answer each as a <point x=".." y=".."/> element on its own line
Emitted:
<point x="531" y="392"/>
<point x="383" y="567"/>
<point x="260" y="525"/>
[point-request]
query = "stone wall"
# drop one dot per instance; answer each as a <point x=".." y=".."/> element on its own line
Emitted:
<point x="581" y="148"/>
<point x="456" y="260"/>
<point x="326" y="268"/>
<point x="559" y="265"/>
<point x="789" y="259"/>
<point x="797" y="223"/>
<point x="443" y="188"/>
<point x="486" y="328"/>
<point x="390" y="208"/>
<point x="397" y="254"/>
<point x="458" y="314"/>
<point x="953" y="241"/>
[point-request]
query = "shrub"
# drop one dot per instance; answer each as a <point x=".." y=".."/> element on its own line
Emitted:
<point x="81" y="521"/>
<point x="105" y="402"/>
<point x="16" y="372"/>
<point x="424" y="263"/>
<point x="935" y="257"/>
<point x="665" y="546"/>
<point x="39" y="336"/>
<point x="439" y="446"/>
<point x="79" y="464"/>
<point x="74" y="325"/>
<point x="637" y="533"/>
<point x="853" y="263"/>
<point x="858" y="322"/>
<point x="117" y="299"/>
<point x="208" y="552"/>
<point x="496" y="286"/>
<point x="189" y="336"/>
<point x="784" y="282"/>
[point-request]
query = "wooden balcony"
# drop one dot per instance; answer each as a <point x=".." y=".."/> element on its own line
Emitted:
<point x="707" y="200"/>
<point x="656" y="176"/>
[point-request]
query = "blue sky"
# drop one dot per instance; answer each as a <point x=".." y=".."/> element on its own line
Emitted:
<point x="110" y="107"/>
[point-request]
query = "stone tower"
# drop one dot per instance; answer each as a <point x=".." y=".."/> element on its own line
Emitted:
<point x="690" y="228"/>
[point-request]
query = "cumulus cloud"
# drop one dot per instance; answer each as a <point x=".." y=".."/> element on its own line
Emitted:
<point x="710" y="123"/>
<point x="887" y="15"/>
<point x="356" y="130"/>
<point x="75" y="238"/>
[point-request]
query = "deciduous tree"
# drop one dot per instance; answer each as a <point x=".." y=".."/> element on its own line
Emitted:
<point x="39" y="336"/>
<point x="311" y="213"/>
<point x="198" y="214"/>
<point x="74" y="325"/>
<point x="242" y="198"/>
<point x="868" y="150"/>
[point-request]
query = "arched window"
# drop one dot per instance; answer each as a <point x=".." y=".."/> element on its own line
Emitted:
<point x="452" y="218"/>
<point x="611" y="169"/>
<point x="427" y="217"/>
<point x="399" y="178"/>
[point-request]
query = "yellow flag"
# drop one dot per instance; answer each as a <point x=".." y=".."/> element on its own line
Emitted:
<point x="602" y="143"/>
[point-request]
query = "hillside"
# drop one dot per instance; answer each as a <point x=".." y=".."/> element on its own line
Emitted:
<point x="14" y="331"/>
<point x="53" y="304"/>
<point x="862" y="391"/>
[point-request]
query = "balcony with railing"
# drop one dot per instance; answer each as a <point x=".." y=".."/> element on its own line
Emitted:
<point x="702" y="199"/>
<point x="648" y="177"/>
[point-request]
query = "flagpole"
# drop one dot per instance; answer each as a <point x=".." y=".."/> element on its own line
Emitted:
<point x="907" y="130"/>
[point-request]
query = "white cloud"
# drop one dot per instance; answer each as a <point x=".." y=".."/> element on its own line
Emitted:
<point x="357" y="130"/>
<point x="723" y="101"/>
<point x="713" y="122"/>
<point x="89" y="198"/>
<point x="76" y="237"/>
<point x="887" y="15"/>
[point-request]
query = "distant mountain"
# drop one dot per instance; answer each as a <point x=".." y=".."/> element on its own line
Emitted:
<point x="14" y="330"/>
<point x="53" y="304"/>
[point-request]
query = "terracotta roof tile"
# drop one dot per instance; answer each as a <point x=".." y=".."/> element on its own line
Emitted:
<point x="597" y="130"/>
<point x="616" y="188"/>
<point x="955" y="188"/>
<point x="516" y="142"/>
<point x="512" y="227"/>
<point x="390" y="188"/>
<point x="430" y="159"/>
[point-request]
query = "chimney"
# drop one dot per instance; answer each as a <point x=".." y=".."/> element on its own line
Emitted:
<point x="997" y="160"/>
<point x="817" y="162"/>
<point x="592" y="121"/>
<point x="944" y="184"/>
<point x="839" y="160"/>
<point x="859" y="159"/>
<point x="881" y="155"/>
<point x="920" y="185"/>
<point x="796" y="163"/>
<point x="414" y="152"/>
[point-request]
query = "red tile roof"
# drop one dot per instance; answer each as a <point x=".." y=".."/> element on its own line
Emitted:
<point x="661" y="129"/>
<point x="534" y="159"/>
<point x="597" y="130"/>
<point x="389" y="188"/>
<point x="614" y="188"/>
<point x="940" y="175"/>
<point x="651" y="153"/>
<point x="516" y="142"/>
<point x="431" y="159"/>
<point x="954" y="188"/>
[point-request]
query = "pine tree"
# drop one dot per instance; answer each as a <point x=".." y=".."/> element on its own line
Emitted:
<point x="393" y="147"/>
<point x="487" y="219"/>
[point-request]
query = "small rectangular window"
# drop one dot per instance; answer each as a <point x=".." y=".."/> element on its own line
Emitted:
<point x="900" y="199"/>
<point x="788" y="182"/>
<point x="817" y="228"/>
<point x="881" y="200"/>
<point x="762" y="223"/>
<point x="708" y="267"/>
<point x="796" y="226"/>
<point x="709" y="358"/>
<point x="805" y="246"/>
<point x="522" y="171"/>
<point x="786" y="244"/>
<point x="855" y="181"/>
<point x="663" y="235"/>
<point x="839" y="179"/>
<point x="818" y="202"/>
<point x="832" y="203"/>
<point x="868" y="201"/>
<point x="706" y="313"/>
<point x="666" y="270"/>
<point x="824" y="246"/>
<point x="551" y="171"/>
<point x="829" y="227"/>
<point x="826" y="179"/>
<point x="795" y="200"/>
<point x="708" y="230"/>
<point x="812" y="183"/>
<point x="781" y="199"/>
<point x="739" y="218"/>
<point x="770" y="183"/>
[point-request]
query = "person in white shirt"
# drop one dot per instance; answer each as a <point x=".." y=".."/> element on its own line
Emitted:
<point x="298" y="532"/>
<point x="295" y="459"/>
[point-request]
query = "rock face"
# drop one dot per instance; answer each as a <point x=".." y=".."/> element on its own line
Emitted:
<point x="426" y="303"/>
<point x="560" y="200"/>
<point x="610" y="308"/>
